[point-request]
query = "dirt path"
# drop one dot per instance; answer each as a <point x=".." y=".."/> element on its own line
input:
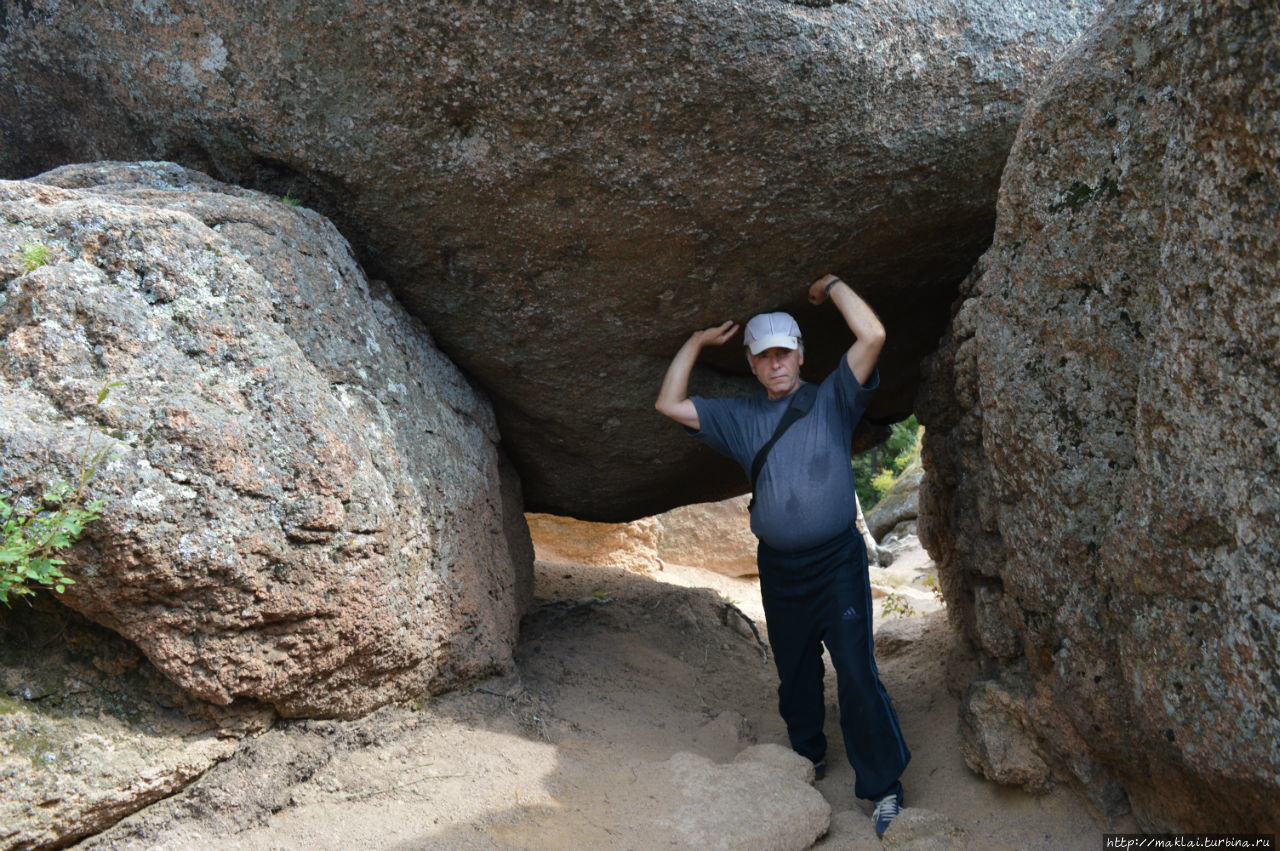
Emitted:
<point x="617" y="672"/>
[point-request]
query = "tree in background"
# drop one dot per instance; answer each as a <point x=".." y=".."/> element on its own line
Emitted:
<point x="876" y="469"/>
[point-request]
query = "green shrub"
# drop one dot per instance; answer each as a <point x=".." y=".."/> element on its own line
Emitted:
<point x="875" y="470"/>
<point x="896" y="605"/>
<point x="882" y="481"/>
<point x="31" y="537"/>
<point x="931" y="582"/>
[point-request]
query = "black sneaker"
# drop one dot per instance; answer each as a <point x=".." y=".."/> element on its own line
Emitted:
<point x="887" y="809"/>
<point x="820" y="769"/>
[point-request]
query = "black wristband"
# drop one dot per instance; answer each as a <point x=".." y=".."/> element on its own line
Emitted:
<point x="827" y="291"/>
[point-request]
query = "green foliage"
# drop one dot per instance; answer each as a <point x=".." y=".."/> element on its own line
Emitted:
<point x="31" y="537"/>
<point x="874" y="471"/>
<point x="882" y="481"/>
<point x="289" y="200"/>
<point x="896" y="605"/>
<point x="33" y="256"/>
<point x="931" y="582"/>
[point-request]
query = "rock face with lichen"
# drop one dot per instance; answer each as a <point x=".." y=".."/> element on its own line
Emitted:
<point x="564" y="191"/>
<point x="1103" y="428"/>
<point x="90" y="731"/>
<point x="307" y="506"/>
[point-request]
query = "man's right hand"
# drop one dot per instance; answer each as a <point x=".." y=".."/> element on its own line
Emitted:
<point x="716" y="335"/>
<point x="673" y="397"/>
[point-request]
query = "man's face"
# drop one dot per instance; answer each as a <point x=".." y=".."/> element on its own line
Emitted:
<point x="778" y="369"/>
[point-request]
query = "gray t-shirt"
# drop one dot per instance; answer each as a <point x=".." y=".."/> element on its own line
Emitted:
<point x="805" y="493"/>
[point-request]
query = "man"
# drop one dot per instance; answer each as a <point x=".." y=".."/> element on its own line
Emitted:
<point x="812" y="560"/>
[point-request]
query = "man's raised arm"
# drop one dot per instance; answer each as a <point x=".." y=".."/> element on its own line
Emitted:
<point x="673" y="398"/>
<point x="862" y="321"/>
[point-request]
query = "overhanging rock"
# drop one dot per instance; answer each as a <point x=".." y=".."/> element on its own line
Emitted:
<point x="564" y="191"/>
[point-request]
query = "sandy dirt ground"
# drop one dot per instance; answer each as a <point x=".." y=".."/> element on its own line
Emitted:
<point x="617" y="671"/>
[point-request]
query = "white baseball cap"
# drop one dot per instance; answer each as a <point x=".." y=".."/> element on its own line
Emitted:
<point x="771" y="330"/>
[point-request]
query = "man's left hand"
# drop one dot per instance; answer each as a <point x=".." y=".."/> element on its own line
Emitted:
<point x="818" y="289"/>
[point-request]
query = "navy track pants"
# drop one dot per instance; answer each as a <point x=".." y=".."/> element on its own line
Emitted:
<point x="823" y="596"/>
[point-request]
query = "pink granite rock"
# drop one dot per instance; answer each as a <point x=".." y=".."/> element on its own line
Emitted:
<point x="308" y="506"/>
<point x="1103" y="422"/>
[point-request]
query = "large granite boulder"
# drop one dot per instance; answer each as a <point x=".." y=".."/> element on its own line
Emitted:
<point x="308" y="507"/>
<point x="900" y="504"/>
<point x="564" y="191"/>
<point x="1103" y="485"/>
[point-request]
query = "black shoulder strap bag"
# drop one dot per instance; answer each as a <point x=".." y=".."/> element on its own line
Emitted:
<point x="801" y="402"/>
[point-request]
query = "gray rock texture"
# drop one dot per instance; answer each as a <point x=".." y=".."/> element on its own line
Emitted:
<point x="994" y="738"/>
<point x="914" y="829"/>
<point x="90" y="731"/>
<point x="563" y="192"/>
<point x="900" y="504"/>
<point x="761" y="801"/>
<point x="1103" y="423"/>
<point x="306" y="505"/>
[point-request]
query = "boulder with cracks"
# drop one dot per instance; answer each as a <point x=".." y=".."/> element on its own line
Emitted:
<point x="1103" y="480"/>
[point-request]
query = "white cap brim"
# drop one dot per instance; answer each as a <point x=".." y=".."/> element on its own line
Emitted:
<point x="773" y="341"/>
